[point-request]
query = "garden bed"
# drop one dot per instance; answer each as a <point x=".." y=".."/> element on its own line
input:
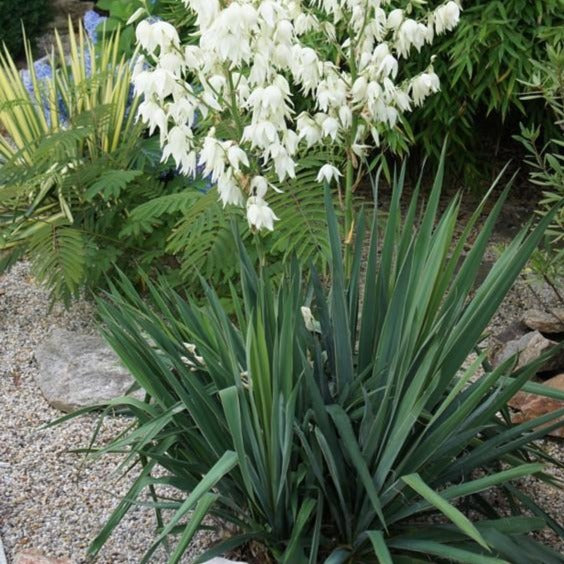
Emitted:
<point x="54" y="502"/>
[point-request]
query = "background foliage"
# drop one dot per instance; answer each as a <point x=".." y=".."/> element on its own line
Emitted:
<point x="546" y="164"/>
<point x="482" y="66"/>
<point x="32" y="14"/>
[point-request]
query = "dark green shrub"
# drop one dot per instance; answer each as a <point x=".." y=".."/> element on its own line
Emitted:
<point x="338" y="439"/>
<point x="481" y="66"/>
<point x="33" y="14"/>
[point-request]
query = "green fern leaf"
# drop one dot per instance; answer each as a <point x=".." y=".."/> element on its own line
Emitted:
<point x="111" y="183"/>
<point x="302" y="228"/>
<point x="203" y="240"/>
<point x="58" y="254"/>
<point x="146" y="217"/>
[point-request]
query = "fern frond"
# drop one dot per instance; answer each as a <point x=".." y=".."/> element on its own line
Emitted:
<point x="204" y="241"/>
<point x="111" y="183"/>
<point x="58" y="259"/>
<point x="146" y="217"/>
<point x="302" y="228"/>
<point x="61" y="144"/>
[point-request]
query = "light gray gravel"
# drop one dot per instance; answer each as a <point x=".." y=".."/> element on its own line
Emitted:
<point x="48" y="501"/>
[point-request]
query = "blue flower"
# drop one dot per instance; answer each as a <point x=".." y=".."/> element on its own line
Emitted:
<point x="91" y="22"/>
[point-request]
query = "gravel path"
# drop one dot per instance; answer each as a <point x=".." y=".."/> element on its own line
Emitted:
<point x="48" y="499"/>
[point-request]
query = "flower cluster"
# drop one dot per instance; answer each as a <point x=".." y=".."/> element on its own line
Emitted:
<point x="255" y="60"/>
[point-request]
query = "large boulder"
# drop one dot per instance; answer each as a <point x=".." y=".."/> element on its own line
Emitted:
<point x="79" y="370"/>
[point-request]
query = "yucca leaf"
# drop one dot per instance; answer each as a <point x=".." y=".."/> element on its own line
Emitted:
<point x="380" y="549"/>
<point x="202" y="509"/>
<point x="415" y="482"/>
<point x="471" y="487"/>
<point x="444" y="551"/>
<point x="350" y="444"/>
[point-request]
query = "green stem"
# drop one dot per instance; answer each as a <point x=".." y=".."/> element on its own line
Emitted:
<point x="261" y="253"/>
<point x="349" y="213"/>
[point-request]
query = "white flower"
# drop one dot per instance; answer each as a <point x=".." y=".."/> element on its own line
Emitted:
<point x="259" y="214"/>
<point x="423" y="85"/>
<point x="229" y="191"/>
<point x="236" y="156"/>
<point x="259" y="186"/>
<point x="346" y="116"/>
<point x="410" y="34"/>
<point x="395" y="18"/>
<point x="327" y="173"/>
<point x="284" y="165"/>
<point x="310" y="322"/>
<point x="308" y="130"/>
<point x="151" y="35"/>
<point x="446" y="17"/>
<point x="213" y="156"/>
<point x="330" y="127"/>
<point x="153" y="115"/>
<point x="179" y="143"/>
<point x="359" y="89"/>
<point x="207" y="11"/>
<point x="388" y="67"/>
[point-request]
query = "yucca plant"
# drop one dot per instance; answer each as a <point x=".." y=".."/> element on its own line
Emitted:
<point x="338" y="421"/>
<point x="83" y="80"/>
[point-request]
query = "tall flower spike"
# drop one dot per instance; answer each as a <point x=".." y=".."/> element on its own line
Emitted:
<point x="265" y="91"/>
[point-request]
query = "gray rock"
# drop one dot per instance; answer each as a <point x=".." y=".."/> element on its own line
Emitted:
<point x="529" y="347"/>
<point x="78" y="370"/>
<point x="545" y="322"/>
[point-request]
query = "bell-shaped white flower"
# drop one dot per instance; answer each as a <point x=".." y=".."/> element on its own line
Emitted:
<point x="410" y="34"/>
<point x="179" y="147"/>
<point x="259" y="186"/>
<point x="228" y="189"/>
<point x="151" y="35"/>
<point x="259" y="214"/>
<point x="359" y="89"/>
<point x="330" y="127"/>
<point x="237" y="157"/>
<point x="308" y="129"/>
<point x="423" y="85"/>
<point x="154" y="116"/>
<point x="446" y="17"/>
<point x="206" y="10"/>
<point x="213" y="156"/>
<point x="327" y="173"/>
<point x="395" y="19"/>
